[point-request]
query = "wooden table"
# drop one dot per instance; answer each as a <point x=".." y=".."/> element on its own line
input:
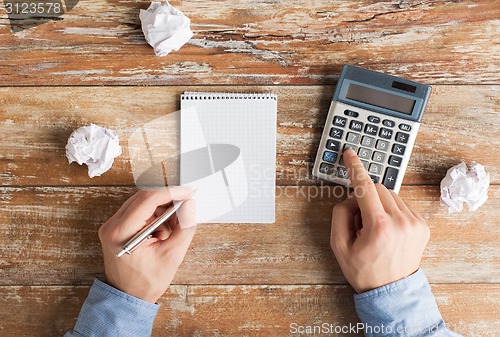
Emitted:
<point x="92" y="65"/>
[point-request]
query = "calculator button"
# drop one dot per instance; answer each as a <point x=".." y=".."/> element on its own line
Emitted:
<point x="353" y="137"/>
<point x="342" y="172"/>
<point x="333" y="145"/>
<point x="365" y="164"/>
<point x="371" y="129"/>
<point x="339" y="121"/>
<point x="336" y="133"/>
<point x="375" y="179"/>
<point x="341" y="161"/>
<point x="379" y="157"/>
<point x="395" y="161"/>
<point x="388" y="122"/>
<point x="402" y="137"/>
<point x="375" y="169"/>
<point x="404" y="127"/>
<point x="391" y="174"/>
<point x="350" y="146"/>
<point x="356" y="126"/>
<point x="367" y="141"/>
<point x="373" y="119"/>
<point x="398" y="149"/>
<point x="351" y="113"/>
<point x="382" y="145"/>
<point x="326" y="168"/>
<point x="330" y="157"/>
<point x="365" y="153"/>
<point x="385" y="133"/>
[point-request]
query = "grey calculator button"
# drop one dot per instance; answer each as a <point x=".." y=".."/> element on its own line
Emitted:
<point x="353" y="137"/>
<point x="351" y="113"/>
<point x="398" y="149"/>
<point x="382" y="145"/>
<point x="365" y="164"/>
<point x="333" y="145"/>
<point x="385" y="133"/>
<point x="391" y="174"/>
<point x="373" y="119"/>
<point x="405" y="127"/>
<point x="339" y="121"/>
<point x="375" y="168"/>
<point x="379" y="157"/>
<point x="375" y="179"/>
<point x="326" y="168"/>
<point x="350" y="146"/>
<point x="367" y="141"/>
<point x="402" y="137"/>
<point x="388" y="122"/>
<point x="342" y="172"/>
<point x="356" y="126"/>
<point x="371" y="129"/>
<point x="365" y="153"/>
<point x="336" y="133"/>
<point x="395" y="161"/>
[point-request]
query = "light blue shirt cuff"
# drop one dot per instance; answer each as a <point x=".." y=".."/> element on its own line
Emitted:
<point x="402" y="308"/>
<point x="110" y="312"/>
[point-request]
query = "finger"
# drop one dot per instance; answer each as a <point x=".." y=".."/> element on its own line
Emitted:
<point x="163" y="232"/>
<point x="343" y="228"/>
<point x="185" y="228"/>
<point x="388" y="202"/>
<point x="406" y="207"/>
<point x="364" y="188"/>
<point x="141" y="210"/>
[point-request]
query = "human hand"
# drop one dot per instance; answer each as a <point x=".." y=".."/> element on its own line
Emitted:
<point x="149" y="270"/>
<point x="376" y="238"/>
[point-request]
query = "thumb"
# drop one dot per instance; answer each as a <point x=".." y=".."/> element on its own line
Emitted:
<point x="183" y="229"/>
<point x="343" y="231"/>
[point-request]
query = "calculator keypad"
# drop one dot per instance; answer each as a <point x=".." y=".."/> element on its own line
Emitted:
<point x="379" y="142"/>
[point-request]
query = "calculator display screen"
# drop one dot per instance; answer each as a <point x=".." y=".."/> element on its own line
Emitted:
<point x="380" y="98"/>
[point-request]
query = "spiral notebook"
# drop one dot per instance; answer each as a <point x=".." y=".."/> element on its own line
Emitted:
<point x="228" y="146"/>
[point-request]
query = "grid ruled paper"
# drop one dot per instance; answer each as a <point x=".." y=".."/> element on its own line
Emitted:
<point x="247" y="121"/>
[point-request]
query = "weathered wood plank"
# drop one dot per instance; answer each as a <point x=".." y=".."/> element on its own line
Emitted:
<point x="48" y="235"/>
<point x="241" y="310"/>
<point x="261" y="42"/>
<point x="462" y="122"/>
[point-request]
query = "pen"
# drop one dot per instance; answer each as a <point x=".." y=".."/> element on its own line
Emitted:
<point x="147" y="232"/>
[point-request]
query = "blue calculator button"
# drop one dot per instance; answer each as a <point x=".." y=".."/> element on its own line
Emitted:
<point x="373" y="119"/>
<point x="402" y="137"/>
<point x="339" y="121"/>
<point x="330" y="157"/>
<point x="371" y="129"/>
<point x="336" y="133"/>
<point x="404" y="127"/>
<point x="356" y="126"/>
<point x="385" y="133"/>
<point x="333" y="145"/>
<point x="388" y="122"/>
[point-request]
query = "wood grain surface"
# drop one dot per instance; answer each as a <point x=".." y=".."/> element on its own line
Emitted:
<point x="48" y="235"/>
<point x="259" y="42"/>
<point x="263" y="310"/>
<point x="460" y="124"/>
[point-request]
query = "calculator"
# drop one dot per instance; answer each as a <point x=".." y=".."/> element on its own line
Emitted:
<point x="378" y="116"/>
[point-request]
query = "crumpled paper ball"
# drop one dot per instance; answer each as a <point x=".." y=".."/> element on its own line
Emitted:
<point x="461" y="185"/>
<point x="95" y="146"/>
<point x="165" y="27"/>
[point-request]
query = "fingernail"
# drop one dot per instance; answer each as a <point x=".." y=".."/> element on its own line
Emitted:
<point x="349" y="152"/>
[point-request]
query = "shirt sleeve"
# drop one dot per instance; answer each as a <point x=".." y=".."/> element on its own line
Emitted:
<point x="402" y="308"/>
<point x="110" y="312"/>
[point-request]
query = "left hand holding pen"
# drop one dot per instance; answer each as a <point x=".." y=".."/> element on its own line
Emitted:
<point x="149" y="270"/>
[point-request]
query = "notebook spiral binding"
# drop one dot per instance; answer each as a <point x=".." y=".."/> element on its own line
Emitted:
<point x="190" y="95"/>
